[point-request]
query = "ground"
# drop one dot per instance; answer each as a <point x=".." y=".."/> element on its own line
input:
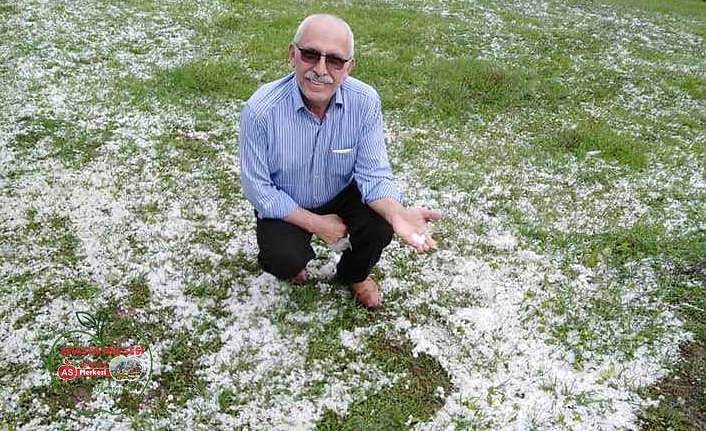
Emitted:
<point x="564" y="144"/>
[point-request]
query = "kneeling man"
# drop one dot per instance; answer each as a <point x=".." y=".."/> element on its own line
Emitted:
<point x="313" y="162"/>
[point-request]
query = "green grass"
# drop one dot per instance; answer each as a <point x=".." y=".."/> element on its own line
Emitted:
<point x="72" y="146"/>
<point x="138" y="293"/>
<point x="596" y="137"/>
<point x="412" y="400"/>
<point x="54" y="234"/>
<point x="694" y="86"/>
<point x="409" y="77"/>
<point x="226" y="79"/>
<point x="685" y="287"/>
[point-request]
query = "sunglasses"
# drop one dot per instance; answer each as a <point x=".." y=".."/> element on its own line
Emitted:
<point x="312" y="56"/>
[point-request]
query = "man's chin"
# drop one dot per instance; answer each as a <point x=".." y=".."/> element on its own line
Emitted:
<point x="321" y="89"/>
<point x="318" y="97"/>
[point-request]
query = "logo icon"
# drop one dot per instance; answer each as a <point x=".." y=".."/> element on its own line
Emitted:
<point x="86" y="366"/>
<point x="126" y="368"/>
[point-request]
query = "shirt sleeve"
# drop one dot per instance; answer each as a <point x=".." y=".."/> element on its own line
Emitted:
<point x="372" y="170"/>
<point x="269" y="201"/>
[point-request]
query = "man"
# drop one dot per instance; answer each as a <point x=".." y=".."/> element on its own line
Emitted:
<point x="313" y="162"/>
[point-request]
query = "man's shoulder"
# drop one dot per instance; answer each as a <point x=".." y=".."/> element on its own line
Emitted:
<point x="358" y="89"/>
<point x="270" y="95"/>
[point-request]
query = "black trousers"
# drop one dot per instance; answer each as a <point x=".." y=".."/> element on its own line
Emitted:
<point x="285" y="248"/>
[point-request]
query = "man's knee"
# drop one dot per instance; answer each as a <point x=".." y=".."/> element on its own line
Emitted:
<point x="384" y="231"/>
<point x="284" y="262"/>
<point x="284" y="248"/>
<point x="375" y="230"/>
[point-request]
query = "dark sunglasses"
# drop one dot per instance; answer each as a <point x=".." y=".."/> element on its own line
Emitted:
<point x="313" y="56"/>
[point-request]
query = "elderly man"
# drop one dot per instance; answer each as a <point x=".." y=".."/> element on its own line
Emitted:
<point x="313" y="162"/>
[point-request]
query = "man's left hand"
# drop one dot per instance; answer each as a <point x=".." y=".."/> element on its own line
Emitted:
<point x="410" y="224"/>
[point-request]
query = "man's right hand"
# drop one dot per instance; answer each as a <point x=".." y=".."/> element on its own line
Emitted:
<point x="330" y="228"/>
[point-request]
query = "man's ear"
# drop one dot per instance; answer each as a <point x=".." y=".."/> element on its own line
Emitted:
<point x="351" y="65"/>
<point x="292" y="52"/>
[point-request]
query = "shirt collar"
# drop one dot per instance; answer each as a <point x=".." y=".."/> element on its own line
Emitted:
<point x="297" y="95"/>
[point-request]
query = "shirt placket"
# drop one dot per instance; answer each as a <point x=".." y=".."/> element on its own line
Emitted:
<point x="318" y="174"/>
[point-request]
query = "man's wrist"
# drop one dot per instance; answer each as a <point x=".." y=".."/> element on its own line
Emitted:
<point x="306" y="220"/>
<point x="390" y="209"/>
<point x="312" y="221"/>
<point x="396" y="216"/>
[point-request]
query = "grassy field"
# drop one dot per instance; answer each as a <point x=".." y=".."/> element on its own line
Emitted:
<point x="565" y="143"/>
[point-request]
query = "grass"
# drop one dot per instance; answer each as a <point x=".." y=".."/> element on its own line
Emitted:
<point x="408" y="402"/>
<point x="225" y="79"/>
<point x="561" y="141"/>
<point x="595" y="138"/>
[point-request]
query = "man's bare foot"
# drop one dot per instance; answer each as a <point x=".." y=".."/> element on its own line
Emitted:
<point x="367" y="292"/>
<point x="300" y="278"/>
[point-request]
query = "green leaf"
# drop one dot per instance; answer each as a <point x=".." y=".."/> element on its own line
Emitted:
<point x="86" y="320"/>
<point x="102" y="317"/>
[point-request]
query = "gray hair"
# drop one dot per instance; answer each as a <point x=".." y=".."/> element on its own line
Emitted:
<point x="311" y="18"/>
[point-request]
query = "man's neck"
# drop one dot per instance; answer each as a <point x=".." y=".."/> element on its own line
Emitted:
<point x="318" y="110"/>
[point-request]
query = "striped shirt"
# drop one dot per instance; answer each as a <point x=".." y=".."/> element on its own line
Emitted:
<point x="289" y="158"/>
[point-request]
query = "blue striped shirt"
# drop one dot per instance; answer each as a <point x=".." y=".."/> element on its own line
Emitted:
<point x="289" y="158"/>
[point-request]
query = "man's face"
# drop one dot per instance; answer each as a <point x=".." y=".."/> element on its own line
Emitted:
<point x="319" y="77"/>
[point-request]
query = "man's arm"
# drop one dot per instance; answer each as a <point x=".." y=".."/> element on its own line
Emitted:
<point x="268" y="199"/>
<point x="329" y="227"/>
<point x="374" y="177"/>
<point x="372" y="171"/>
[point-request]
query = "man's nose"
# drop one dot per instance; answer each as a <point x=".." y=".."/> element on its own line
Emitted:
<point x="321" y="68"/>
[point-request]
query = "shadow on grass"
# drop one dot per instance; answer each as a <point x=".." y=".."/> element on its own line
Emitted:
<point x="413" y="399"/>
<point x="682" y="394"/>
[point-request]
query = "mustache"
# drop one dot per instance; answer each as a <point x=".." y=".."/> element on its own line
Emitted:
<point x="320" y="79"/>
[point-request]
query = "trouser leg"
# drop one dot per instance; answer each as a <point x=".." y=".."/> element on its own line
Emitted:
<point x="285" y="248"/>
<point x="369" y="234"/>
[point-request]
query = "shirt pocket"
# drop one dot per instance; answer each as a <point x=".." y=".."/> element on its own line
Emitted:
<point x="340" y="162"/>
